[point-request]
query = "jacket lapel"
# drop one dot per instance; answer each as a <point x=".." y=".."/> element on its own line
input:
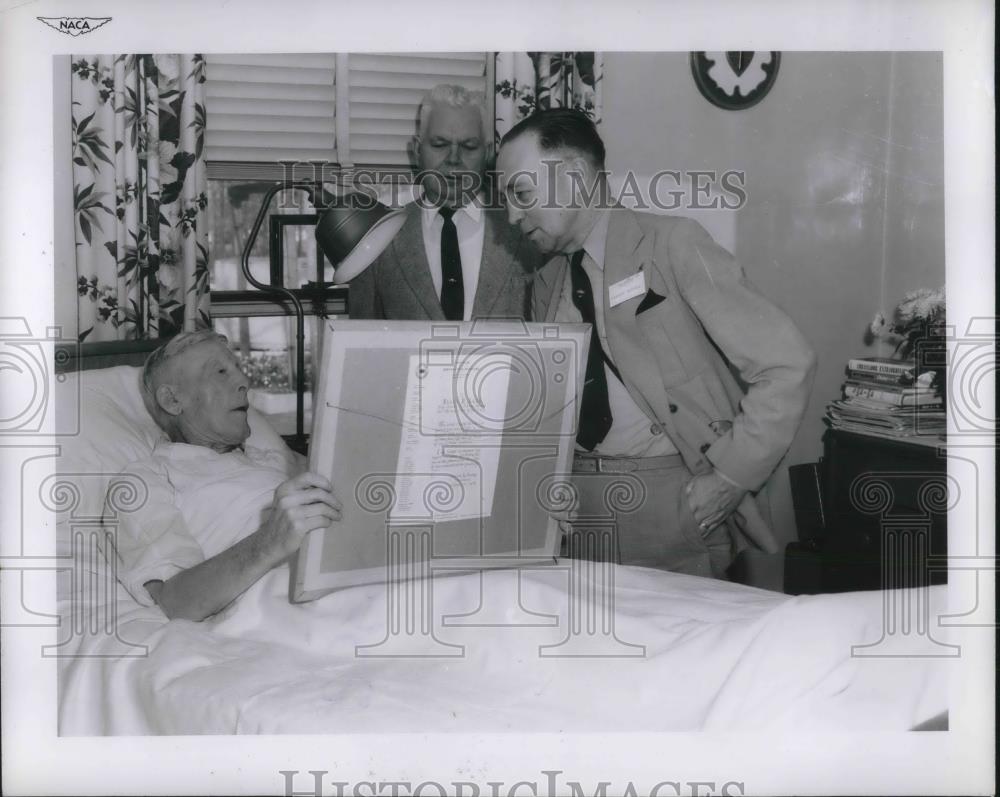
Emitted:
<point x="627" y="252"/>
<point x="495" y="266"/>
<point x="410" y="258"/>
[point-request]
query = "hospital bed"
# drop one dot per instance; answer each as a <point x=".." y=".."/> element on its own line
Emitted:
<point x="633" y="650"/>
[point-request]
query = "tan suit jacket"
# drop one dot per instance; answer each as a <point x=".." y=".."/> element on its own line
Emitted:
<point x="664" y="343"/>
<point x="398" y="285"/>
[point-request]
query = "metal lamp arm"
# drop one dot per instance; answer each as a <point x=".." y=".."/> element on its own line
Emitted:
<point x="300" y="357"/>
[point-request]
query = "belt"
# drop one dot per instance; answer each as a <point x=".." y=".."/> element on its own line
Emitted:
<point x="591" y="463"/>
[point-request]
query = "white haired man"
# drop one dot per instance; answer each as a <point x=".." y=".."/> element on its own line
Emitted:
<point x="454" y="259"/>
<point x="219" y="513"/>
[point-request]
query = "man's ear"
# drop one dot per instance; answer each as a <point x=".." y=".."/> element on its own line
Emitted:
<point x="586" y="176"/>
<point x="580" y="165"/>
<point x="168" y="400"/>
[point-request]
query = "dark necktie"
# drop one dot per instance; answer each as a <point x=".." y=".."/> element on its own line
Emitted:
<point x="595" y="409"/>
<point x="452" y="289"/>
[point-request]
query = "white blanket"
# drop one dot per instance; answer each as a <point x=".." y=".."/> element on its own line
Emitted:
<point x="714" y="656"/>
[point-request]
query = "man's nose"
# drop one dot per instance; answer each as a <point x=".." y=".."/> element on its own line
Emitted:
<point x="242" y="382"/>
<point x="514" y="213"/>
<point x="454" y="155"/>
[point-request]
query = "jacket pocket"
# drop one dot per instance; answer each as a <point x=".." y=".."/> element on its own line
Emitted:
<point x="650" y="300"/>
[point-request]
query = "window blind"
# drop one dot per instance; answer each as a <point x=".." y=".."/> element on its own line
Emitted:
<point x="262" y="109"/>
<point x="384" y="91"/>
<point x="270" y="107"/>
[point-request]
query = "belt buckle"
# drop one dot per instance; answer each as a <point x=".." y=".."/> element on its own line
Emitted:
<point x="619" y="465"/>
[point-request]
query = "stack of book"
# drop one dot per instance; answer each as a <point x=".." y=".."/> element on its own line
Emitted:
<point x="886" y="398"/>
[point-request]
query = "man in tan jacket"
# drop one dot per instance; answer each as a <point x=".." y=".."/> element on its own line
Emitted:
<point x="659" y="403"/>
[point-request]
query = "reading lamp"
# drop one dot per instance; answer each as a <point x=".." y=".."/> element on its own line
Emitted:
<point x="352" y="231"/>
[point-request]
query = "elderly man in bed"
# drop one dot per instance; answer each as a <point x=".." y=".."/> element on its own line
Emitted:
<point x="219" y="513"/>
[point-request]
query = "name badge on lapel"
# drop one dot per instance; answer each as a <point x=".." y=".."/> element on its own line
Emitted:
<point x="626" y="289"/>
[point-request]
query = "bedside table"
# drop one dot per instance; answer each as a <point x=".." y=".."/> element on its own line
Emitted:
<point x="885" y="511"/>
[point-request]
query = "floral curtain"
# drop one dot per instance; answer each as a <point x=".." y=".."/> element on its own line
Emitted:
<point x="529" y="81"/>
<point x="139" y="195"/>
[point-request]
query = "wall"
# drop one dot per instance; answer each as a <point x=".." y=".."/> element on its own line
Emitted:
<point x="845" y="189"/>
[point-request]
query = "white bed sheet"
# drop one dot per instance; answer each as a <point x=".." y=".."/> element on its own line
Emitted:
<point x="718" y="656"/>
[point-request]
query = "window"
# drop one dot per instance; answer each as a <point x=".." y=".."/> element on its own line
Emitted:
<point x="266" y="348"/>
<point x="261" y="329"/>
<point x="262" y="109"/>
<point x="355" y="109"/>
<point x="264" y="113"/>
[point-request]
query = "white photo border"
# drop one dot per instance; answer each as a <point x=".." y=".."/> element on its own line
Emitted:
<point x="36" y="760"/>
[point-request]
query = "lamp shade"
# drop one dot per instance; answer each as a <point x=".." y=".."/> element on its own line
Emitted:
<point x="354" y="231"/>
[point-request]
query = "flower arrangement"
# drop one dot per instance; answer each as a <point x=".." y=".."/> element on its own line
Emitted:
<point x="917" y="329"/>
<point x="272" y="372"/>
<point x="919" y="317"/>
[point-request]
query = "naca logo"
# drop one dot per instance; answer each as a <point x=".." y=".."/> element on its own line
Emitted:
<point x="75" y="26"/>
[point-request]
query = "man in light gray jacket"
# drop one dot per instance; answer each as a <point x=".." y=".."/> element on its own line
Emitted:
<point x="454" y="258"/>
<point x="659" y="404"/>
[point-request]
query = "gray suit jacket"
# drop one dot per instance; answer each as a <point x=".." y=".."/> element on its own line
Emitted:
<point x="398" y="284"/>
<point x="664" y="343"/>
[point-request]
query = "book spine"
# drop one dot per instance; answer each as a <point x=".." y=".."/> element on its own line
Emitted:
<point x="881" y="379"/>
<point x="872" y="367"/>
<point x="890" y="387"/>
<point x="889" y="396"/>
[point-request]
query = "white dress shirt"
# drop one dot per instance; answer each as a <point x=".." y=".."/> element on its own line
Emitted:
<point x="471" y="228"/>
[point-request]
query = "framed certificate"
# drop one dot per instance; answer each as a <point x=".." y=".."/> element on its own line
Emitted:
<point x="448" y="445"/>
